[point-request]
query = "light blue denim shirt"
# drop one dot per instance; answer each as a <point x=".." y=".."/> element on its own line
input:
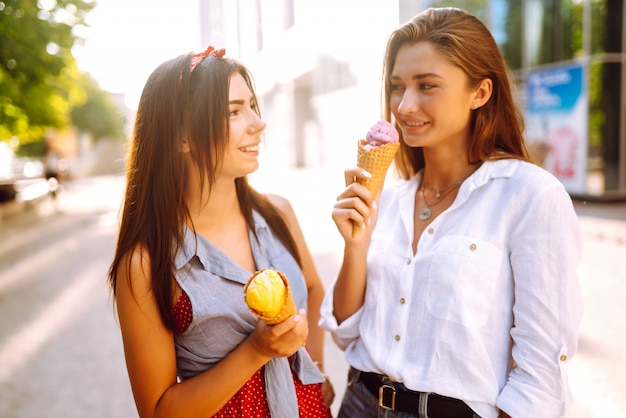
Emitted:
<point x="221" y="319"/>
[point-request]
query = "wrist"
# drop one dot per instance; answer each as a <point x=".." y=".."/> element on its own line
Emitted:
<point x="319" y="365"/>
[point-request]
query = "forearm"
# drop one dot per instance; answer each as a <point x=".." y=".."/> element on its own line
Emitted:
<point x="315" y="339"/>
<point x="349" y="291"/>
<point x="206" y="393"/>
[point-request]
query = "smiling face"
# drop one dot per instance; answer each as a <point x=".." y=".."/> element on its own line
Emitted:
<point x="430" y="97"/>
<point x="241" y="156"/>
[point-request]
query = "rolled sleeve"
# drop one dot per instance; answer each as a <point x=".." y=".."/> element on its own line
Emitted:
<point x="548" y="307"/>
<point x="343" y="334"/>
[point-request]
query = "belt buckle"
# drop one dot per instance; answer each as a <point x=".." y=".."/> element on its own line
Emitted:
<point x="384" y="390"/>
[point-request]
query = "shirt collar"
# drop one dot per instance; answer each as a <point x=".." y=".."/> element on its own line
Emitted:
<point x="194" y="245"/>
<point x="489" y="170"/>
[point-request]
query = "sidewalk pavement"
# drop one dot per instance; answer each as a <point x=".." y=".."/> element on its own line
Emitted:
<point x="602" y="220"/>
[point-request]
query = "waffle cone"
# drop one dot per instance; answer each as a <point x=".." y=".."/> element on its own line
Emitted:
<point x="375" y="161"/>
<point x="289" y="306"/>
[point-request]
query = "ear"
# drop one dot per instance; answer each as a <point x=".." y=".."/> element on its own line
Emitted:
<point x="184" y="147"/>
<point x="483" y="93"/>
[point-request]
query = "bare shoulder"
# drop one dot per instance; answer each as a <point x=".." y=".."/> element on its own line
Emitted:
<point x="282" y="204"/>
<point x="134" y="270"/>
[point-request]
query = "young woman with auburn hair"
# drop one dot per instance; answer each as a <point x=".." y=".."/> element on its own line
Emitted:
<point x="460" y="296"/>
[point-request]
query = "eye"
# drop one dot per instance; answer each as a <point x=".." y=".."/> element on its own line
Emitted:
<point x="426" y="86"/>
<point x="397" y="87"/>
<point x="234" y="112"/>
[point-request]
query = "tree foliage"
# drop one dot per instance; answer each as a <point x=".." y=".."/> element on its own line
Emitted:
<point x="98" y="115"/>
<point x="40" y="84"/>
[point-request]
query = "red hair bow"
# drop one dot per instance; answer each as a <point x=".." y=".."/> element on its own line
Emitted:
<point x="197" y="58"/>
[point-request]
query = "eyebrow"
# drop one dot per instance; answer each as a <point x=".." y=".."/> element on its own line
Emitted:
<point x="417" y="76"/>
<point x="241" y="102"/>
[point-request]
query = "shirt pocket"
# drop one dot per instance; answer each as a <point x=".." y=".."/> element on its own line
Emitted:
<point x="462" y="280"/>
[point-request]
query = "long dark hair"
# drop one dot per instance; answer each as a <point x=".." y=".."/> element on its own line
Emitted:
<point x="496" y="127"/>
<point x="178" y="104"/>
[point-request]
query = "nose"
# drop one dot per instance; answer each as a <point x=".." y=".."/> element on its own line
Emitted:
<point x="409" y="103"/>
<point x="257" y="125"/>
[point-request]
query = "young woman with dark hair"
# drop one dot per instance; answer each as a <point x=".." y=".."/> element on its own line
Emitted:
<point x="192" y="232"/>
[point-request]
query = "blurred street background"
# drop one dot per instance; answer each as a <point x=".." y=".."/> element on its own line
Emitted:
<point x="71" y="74"/>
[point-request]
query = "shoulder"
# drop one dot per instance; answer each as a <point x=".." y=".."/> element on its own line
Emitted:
<point x="519" y="174"/>
<point x="134" y="271"/>
<point x="286" y="211"/>
<point x="525" y="185"/>
<point x="284" y="208"/>
<point x="280" y="203"/>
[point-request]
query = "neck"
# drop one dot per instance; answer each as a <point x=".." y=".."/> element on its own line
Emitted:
<point x="214" y="206"/>
<point x="442" y="179"/>
<point x="443" y="167"/>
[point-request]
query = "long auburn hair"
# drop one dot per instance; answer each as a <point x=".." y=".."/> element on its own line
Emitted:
<point x="178" y="104"/>
<point x="496" y="127"/>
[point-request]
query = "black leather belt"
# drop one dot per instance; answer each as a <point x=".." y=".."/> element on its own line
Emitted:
<point x="396" y="397"/>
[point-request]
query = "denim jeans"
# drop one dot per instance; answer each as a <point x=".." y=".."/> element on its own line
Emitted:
<point x="358" y="402"/>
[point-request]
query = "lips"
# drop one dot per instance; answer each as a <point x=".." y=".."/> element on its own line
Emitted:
<point x="414" y="124"/>
<point x="250" y="148"/>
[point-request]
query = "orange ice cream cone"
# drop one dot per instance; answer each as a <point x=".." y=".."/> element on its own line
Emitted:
<point x="269" y="297"/>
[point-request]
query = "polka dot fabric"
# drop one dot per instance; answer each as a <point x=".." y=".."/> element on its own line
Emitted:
<point x="250" y="401"/>
<point x="182" y="312"/>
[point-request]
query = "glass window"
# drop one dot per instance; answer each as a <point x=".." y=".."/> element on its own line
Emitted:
<point x="604" y="117"/>
<point x="606" y="26"/>
<point x="552" y="30"/>
<point x="571" y="30"/>
<point x="506" y="26"/>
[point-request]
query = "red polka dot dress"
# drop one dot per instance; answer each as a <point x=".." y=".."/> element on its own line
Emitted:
<point x="250" y="401"/>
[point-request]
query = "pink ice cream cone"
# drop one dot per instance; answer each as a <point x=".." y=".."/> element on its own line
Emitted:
<point x="375" y="154"/>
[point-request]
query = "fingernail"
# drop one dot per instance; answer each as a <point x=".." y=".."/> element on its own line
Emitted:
<point x="302" y="311"/>
<point x="363" y="225"/>
<point x="374" y="205"/>
<point x="366" y="174"/>
<point x="296" y="318"/>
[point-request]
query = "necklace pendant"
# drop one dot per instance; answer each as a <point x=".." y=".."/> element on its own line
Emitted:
<point x="425" y="213"/>
<point x="437" y="193"/>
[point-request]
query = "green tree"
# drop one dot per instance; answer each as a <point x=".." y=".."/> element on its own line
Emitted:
<point x="98" y="115"/>
<point x="39" y="78"/>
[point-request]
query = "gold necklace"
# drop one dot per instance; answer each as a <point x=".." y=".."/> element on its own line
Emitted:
<point x="443" y="189"/>
<point x="426" y="212"/>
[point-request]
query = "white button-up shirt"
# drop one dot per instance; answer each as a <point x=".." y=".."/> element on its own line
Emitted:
<point x="488" y="308"/>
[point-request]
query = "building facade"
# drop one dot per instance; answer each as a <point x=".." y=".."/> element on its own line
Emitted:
<point x="318" y="67"/>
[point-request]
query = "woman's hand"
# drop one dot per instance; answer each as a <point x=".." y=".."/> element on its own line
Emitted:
<point x="355" y="206"/>
<point x="328" y="391"/>
<point x="283" y="339"/>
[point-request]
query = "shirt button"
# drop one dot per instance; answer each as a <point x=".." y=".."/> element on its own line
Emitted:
<point x="397" y="338"/>
<point x="472" y="247"/>
<point x="402" y="301"/>
<point x="431" y="231"/>
<point x="408" y="261"/>
<point x="563" y="357"/>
